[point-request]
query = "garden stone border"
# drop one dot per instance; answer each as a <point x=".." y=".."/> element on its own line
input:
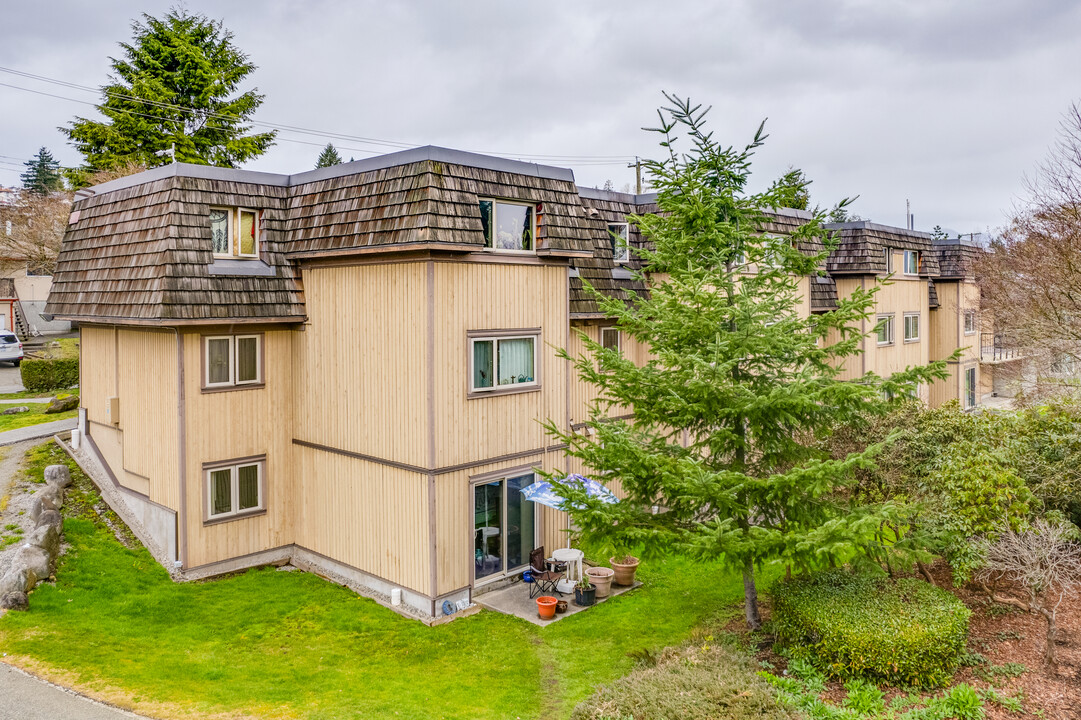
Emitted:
<point x="36" y="559"/>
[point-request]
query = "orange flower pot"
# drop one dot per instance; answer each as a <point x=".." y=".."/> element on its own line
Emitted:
<point x="546" y="607"/>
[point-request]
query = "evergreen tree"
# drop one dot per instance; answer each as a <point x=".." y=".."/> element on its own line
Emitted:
<point x="740" y="390"/>
<point x="42" y="175"/>
<point x="328" y="157"/>
<point x="174" y="87"/>
<point x="793" y="190"/>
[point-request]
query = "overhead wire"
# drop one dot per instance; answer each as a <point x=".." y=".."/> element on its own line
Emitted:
<point x="584" y="160"/>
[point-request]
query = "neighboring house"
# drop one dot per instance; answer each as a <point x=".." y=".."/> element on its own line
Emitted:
<point x="349" y="367"/>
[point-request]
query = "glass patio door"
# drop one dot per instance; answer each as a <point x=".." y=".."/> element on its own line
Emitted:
<point x="504" y="527"/>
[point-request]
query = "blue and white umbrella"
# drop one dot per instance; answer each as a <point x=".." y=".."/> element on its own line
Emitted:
<point x="545" y="494"/>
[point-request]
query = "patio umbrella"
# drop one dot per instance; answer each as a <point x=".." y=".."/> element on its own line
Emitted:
<point x="545" y="494"/>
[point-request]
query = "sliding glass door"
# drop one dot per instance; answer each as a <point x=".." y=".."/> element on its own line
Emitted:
<point x="504" y="527"/>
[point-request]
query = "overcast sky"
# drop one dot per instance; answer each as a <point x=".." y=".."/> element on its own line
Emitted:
<point x="946" y="104"/>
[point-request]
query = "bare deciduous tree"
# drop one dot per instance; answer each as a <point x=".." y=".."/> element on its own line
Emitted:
<point x="1044" y="560"/>
<point x="31" y="231"/>
<point x="1031" y="277"/>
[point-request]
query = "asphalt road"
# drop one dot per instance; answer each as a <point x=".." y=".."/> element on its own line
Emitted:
<point x="24" y="697"/>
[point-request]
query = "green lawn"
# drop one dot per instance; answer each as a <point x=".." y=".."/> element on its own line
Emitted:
<point x="282" y="644"/>
<point x="35" y="416"/>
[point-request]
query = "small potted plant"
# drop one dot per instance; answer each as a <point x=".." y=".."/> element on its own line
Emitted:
<point x="546" y="607"/>
<point x="625" y="567"/>
<point x="601" y="577"/>
<point x="584" y="593"/>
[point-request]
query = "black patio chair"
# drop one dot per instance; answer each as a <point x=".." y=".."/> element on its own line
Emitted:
<point x="544" y="580"/>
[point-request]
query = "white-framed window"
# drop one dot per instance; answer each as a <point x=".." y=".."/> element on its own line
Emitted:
<point x="235" y="489"/>
<point x="38" y="269"/>
<point x="611" y="338"/>
<point x="884" y="329"/>
<point x="509" y="226"/>
<point x="970" y="322"/>
<point x="502" y="362"/>
<point x="232" y="360"/>
<point x="970" y="388"/>
<point x="911" y="263"/>
<point x="912" y="327"/>
<point x="235" y="232"/>
<point x="889" y="260"/>
<point x="619" y="234"/>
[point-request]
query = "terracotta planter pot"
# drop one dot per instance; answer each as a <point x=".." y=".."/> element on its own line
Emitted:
<point x="624" y="571"/>
<point x="601" y="577"/>
<point x="546" y="607"/>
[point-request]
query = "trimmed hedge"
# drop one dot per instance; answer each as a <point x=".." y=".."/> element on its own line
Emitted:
<point x="905" y="632"/>
<point x="695" y="682"/>
<point x="54" y="374"/>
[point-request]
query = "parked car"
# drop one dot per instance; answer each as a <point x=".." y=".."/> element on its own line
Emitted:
<point x="11" y="350"/>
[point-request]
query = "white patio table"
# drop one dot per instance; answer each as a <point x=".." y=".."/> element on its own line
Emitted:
<point x="573" y="558"/>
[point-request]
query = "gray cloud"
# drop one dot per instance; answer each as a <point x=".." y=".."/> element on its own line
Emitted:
<point x="944" y="103"/>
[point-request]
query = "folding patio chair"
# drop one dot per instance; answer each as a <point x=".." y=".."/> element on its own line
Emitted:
<point x="544" y="580"/>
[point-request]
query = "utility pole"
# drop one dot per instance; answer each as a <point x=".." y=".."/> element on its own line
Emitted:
<point x="637" y="165"/>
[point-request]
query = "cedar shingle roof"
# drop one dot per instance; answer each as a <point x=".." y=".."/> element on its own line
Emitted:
<point x="956" y="258"/>
<point x="863" y="245"/>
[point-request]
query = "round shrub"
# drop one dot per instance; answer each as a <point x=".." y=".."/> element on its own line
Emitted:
<point x="904" y="632"/>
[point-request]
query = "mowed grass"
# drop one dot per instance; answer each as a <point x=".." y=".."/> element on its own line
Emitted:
<point x="287" y="644"/>
<point x="34" y="416"/>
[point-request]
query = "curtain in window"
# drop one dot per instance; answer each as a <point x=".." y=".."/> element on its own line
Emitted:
<point x="217" y="361"/>
<point x="515" y="361"/>
<point x="219" y="231"/>
<point x="248" y="480"/>
<point x="483" y="368"/>
<point x="247" y="359"/>
<point x="221" y="491"/>
<point x="247" y="233"/>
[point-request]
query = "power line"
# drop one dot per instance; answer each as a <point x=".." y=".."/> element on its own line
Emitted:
<point x="571" y="159"/>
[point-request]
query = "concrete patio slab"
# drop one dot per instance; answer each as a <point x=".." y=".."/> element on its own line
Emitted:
<point x="515" y="600"/>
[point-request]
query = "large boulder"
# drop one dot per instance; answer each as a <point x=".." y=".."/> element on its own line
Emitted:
<point x="58" y="475"/>
<point x="36" y="562"/>
<point x="48" y="498"/>
<point x="16" y="410"/>
<point x="60" y="405"/>
<point x="17" y="579"/>
<point x="14" y="601"/>
<point x="49" y="517"/>
<point x="46" y="537"/>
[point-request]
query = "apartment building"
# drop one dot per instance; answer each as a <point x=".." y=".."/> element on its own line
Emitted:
<point x="348" y="368"/>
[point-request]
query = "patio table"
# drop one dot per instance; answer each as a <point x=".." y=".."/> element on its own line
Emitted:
<point x="573" y="559"/>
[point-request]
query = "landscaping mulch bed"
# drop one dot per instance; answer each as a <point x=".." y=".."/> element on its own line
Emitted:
<point x="1008" y="638"/>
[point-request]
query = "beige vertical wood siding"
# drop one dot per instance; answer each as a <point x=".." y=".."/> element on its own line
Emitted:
<point x="97" y="371"/>
<point x="362" y="367"/>
<point x="487" y="296"/>
<point x="236" y="424"/>
<point x="148" y="410"/>
<point x="370" y="516"/>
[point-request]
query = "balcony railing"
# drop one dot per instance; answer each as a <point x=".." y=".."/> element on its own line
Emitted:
<point x="995" y="348"/>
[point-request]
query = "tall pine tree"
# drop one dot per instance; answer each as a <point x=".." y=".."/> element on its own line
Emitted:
<point x="328" y="157"/>
<point x="175" y="86"/>
<point x="42" y="175"/>
<point x="741" y="387"/>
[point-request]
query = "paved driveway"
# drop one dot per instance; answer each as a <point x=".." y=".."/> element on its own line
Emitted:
<point x="24" y="697"/>
<point x="10" y="379"/>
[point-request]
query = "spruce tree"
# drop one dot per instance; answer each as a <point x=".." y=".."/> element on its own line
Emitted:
<point x="42" y="175"/>
<point x="328" y="157"/>
<point x="730" y="411"/>
<point x="174" y="87"/>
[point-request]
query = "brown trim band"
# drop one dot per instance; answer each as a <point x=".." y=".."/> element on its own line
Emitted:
<point x="176" y="322"/>
<point x="426" y="471"/>
<point x="388" y="248"/>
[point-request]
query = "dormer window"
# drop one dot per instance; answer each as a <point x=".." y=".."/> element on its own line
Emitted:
<point x="911" y="262"/>
<point x="508" y="226"/>
<point x="235" y="232"/>
<point x="619" y="234"/>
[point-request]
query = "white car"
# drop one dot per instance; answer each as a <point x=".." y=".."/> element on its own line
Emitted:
<point x="11" y="350"/>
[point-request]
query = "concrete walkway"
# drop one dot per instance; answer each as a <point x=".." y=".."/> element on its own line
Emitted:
<point x="32" y="432"/>
<point x="25" y="697"/>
